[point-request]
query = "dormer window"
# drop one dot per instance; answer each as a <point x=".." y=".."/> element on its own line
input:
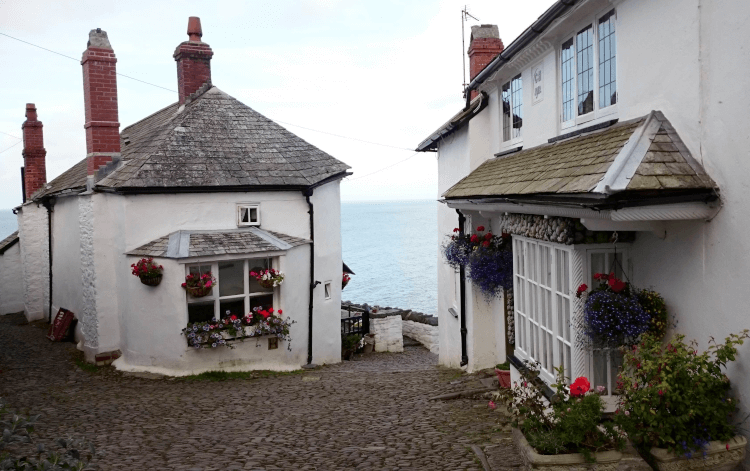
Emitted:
<point x="588" y="72"/>
<point x="248" y="215"/>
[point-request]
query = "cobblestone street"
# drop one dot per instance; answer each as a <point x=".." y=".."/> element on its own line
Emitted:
<point x="369" y="414"/>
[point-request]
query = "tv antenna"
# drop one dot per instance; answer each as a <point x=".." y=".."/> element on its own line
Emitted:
<point x="465" y="15"/>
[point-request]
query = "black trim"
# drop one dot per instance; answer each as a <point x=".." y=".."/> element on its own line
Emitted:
<point x="47" y="202"/>
<point x="578" y="132"/>
<point x="509" y="151"/>
<point x="23" y="184"/>
<point x="454" y="124"/>
<point x="518" y="364"/>
<point x="11" y="244"/>
<point x="308" y="193"/>
<point x="462" y="282"/>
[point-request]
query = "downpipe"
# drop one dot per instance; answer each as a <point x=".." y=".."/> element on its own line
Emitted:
<point x="313" y="283"/>
<point x="48" y="204"/>
<point x="462" y="283"/>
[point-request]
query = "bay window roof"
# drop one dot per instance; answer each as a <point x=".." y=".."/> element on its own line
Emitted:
<point x="640" y="155"/>
<point x="187" y="244"/>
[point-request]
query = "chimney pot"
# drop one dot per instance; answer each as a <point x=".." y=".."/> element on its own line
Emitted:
<point x="194" y="31"/>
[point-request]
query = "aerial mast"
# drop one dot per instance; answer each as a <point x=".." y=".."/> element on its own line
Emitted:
<point x="465" y="15"/>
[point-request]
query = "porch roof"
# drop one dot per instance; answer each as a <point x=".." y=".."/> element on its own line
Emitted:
<point x="186" y="244"/>
<point x="641" y="155"/>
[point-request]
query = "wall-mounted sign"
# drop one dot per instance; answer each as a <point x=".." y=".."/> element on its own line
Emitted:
<point x="537" y="80"/>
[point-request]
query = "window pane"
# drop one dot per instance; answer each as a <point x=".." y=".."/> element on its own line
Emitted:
<point x="263" y="302"/>
<point x="568" y="79"/>
<point x="234" y="307"/>
<point x="616" y="358"/>
<point x="257" y="265"/>
<point x="231" y="278"/>
<point x="585" y="55"/>
<point x="517" y="101"/>
<point x="598" y="265"/>
<point x="607" y="82"/>
<point x="253" y="214"/>
<point x="506" y="111"/>
<point x="600" y="368"/>
<point x="200" y="312"/>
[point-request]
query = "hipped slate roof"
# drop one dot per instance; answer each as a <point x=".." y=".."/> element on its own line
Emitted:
<point x="641" y="154"/>
<point x="184" y="244"/>
<point x="8" y="242"/>
<point x="214" y="141"/>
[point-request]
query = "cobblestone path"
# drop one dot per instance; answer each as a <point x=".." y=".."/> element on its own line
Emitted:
<point x="370" y="414"/>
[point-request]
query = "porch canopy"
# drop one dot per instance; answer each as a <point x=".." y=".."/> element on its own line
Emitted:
<point x="632" y="176"/>
<point x="188" y="244"/>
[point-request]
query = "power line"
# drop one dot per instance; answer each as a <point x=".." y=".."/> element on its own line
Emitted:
<point x="11" y="135"/>
<point x="384" y="168"/>
<point x="78" y="60"/>
<point x="9" y="148"/>
<point x="174" y="91"/>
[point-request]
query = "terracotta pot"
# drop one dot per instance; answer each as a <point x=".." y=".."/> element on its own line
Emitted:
<point x="151" y="280"/>
<point x="503" y="378"/>
<point x="718" y="457"/>
<point x="605" y="460"/>
<point x="198" y="291"/>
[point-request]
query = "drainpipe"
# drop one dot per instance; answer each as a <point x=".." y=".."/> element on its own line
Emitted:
<point x="48" y="204"/>
<point x="308" y="193"/>
<point x="462" y="282"/>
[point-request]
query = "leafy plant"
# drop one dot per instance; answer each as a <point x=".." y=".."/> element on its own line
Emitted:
<point x="570" y="423"/>
<point x="351" y="342"/>
<point x="268" y="278"/>
<point x="257" y="323"/>
<point x="676" y="398"/>
<point x="73" y="454"/>
<point x="656" y="307"/>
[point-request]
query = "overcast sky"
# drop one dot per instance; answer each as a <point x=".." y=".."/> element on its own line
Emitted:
<point x="381" y="71"/>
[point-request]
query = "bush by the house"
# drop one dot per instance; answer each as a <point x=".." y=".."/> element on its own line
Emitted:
<point x="676" y="398"/>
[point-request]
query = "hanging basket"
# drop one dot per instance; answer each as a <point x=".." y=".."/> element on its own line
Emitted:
<point x="151" y="280"/>
<point x="267" y="284"/>
<point x="199" y="291"/>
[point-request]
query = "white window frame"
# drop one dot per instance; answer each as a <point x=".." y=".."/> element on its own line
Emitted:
<point x="518" y="139"/>
<point x="623" y="249"/>
<point x="597" y="113"/>
<point x="249" y="207"/>
<point x="248" y="264"/>
<point x="534" y="312"/>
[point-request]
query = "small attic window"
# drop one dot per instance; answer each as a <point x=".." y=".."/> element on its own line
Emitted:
<point x="248" y="215"/>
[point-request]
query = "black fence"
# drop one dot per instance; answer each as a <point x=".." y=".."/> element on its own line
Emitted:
<point x="356" y="323"/>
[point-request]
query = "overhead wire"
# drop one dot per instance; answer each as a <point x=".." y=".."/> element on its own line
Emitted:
<point x="11" y="135"/>
<point x="281" y="122"/>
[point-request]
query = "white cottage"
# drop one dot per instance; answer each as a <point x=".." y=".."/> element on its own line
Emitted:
<point x="205" y="184"/>
<point x="601" y="117"/>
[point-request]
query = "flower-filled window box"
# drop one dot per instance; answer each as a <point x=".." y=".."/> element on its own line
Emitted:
<point x="257" y="323"/>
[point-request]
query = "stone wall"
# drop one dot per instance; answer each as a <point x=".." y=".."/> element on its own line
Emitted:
<point x="387" y="327"/>
<point x="418" y="326"/>
<point x="425" y="334"/>
<point x="32" y="229"/>
<point x="557" y="229"/>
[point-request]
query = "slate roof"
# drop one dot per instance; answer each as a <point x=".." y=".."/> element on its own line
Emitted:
<point x="184" y="244"/>
<point x="213" y="141"/>
<point x="216" y="140"/>
<point x="8" y="242"/>
<point x="640" y="154"/>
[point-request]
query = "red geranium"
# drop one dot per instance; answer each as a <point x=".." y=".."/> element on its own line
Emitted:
<point x="580" y="386"/>
<point x="488" y="236"/>
<point x="616" y="284"/>
<point x="486" y="243"/>
<point x="480" y="228"/>
<point x="474" y="238"/>
<point x="456" y="230"/>
<point x="581" y="289"/>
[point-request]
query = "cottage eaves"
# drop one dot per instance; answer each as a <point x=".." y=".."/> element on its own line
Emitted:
<point x="8" y="242"/>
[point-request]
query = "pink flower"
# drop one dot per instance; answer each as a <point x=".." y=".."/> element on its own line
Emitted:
<point x="727" y="446"/>
<point x="493" y="406"/>
<point x="627" y="412"/>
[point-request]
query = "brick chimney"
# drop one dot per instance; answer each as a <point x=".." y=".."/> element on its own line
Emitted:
<point x="100" y="98"/>
<point x="193" y="61"/>
<point x="484" y="45"/>
<point x="35" y="169"/>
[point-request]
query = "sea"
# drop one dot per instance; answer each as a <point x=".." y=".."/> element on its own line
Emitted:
<point x="391" y="246"/>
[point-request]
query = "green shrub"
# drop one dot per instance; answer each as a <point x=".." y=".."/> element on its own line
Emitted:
<point x="674" y="397"/>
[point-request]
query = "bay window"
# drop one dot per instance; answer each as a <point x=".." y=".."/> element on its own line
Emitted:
<point x="235" y="292"/>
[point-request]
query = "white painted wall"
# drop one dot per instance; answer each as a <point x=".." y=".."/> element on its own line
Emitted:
<point x="32" y="229"/>
<point x="145" y="322"/>
<point x="426" y="334"/>
<point x="389" y="336"/>
<point x="11" y="281"/>
<point x="66" y="257"/>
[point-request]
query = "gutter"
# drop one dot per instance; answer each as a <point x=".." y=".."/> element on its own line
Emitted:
<point x="462" y="282"/>
<point x="530" y="34"/>
<point x="313" y="283"/>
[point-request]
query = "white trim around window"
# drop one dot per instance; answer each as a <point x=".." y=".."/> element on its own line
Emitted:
<point x="543" y="304"/>
<point x="587" y="65"/>
<point x="234" y="290"/>
<point x="248" y="214"/>
<point x="511" y="111"/>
